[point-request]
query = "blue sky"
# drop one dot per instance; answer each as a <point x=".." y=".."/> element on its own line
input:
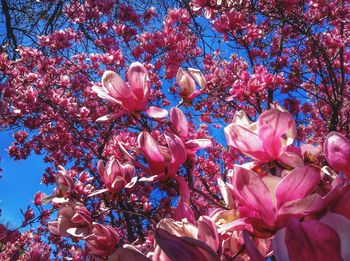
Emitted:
<point x="20" y="181"/>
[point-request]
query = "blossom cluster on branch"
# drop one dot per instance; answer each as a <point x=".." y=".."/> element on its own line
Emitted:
<point x="218" y="130"/>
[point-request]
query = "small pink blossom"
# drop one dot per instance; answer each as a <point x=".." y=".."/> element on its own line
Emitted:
<point x="102" y="241"/>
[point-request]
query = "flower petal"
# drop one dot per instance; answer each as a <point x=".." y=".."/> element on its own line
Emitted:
<point x="252" y="250"/>
<point x="297" y="184"/>
<point x="156" y="112"/>
<point x="253" y="193"/>
<point x="277" y="130"/>
<point x="198" y="76"/>
<point x="138" y="80"/>
<point x="247" y="141"/>
<point x="342" y="226"/>
<point x="179" y="122"/>
<point x="192" y="146"/>
<point x="337" y="152"/>
<point x="312" y="240"/>
<point x="150" y="149"/>
<point x="208" y="233"/>
<point x="183" y="248"/>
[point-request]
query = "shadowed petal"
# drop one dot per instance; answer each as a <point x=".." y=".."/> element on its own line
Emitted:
<point x="183" y="248"/>
<point x="253" y="252"/>
<point x="312" y="240"/>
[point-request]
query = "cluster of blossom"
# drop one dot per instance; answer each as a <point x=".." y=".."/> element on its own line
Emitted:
<point x="283" y="200"/>
<point x="161" y="185"/>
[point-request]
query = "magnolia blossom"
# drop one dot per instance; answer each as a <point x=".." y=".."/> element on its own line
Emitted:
<point x="181" y="240"/>
<point x="265" y="140"/>
<point x="270" y="201"/>
<point x="73" y="220"/>
<point x="102" y="241"/>
<point x="132" y="95"/>
<point x="179" y="122"/>
<point x="161" y="158"/>
<point x="116" y="176"/>
<point x="186" y="81"/>
<point x="337" y="152"/>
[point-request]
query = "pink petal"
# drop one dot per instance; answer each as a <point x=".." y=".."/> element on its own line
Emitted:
<point x="98" y="192"/>
<point x="237" y="225"/>
<point x="103" y="94"/>
<point x="342" y="226"/>
<point x="192" y="146"/>
<point x="179" y="122"/>
<point x="115" y="85"/>
<point x="53" y="227"/>
<point x="277" y="130"/>
<point x="157" y="113"/>
<point x="150" y="179"/>
<point x="297" y="184"/>
<point x="109" y="117"/>
<point x="198" y="76"/>
<point x="138" y="80"/>
<point x="183" y="188"/>
<point x="253" y="193"/>
<point x="183" y="248"/>
<point x="149" y="148"/>
<point x="78" y="231"/>
<point x="337" y="152"/>
<point x="208" y="233"/>
<point x="132" y="159"/>
<point x="291" y="159"/>
<point x="302" y="207"/>
<point x="247" y="141"/>
<point x="226" y="193"/>
<point x="312" y="240"/>
<point x="182" y="211"/>
<point x="193" y="95"/>
<point x="129" y="253"/>
<point x="178" y="151"/>
<point x="131" y="183"/>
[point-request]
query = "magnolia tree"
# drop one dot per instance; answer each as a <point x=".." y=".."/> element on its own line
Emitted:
<point x="180" y="130"/>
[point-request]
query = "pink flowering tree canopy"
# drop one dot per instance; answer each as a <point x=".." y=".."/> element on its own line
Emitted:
<point x="179" y="130"/>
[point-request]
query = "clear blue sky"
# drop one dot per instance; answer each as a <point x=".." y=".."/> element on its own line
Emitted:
<point x="20" y="181"/>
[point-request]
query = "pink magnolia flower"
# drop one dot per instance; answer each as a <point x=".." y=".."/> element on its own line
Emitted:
<point x="265" y="140"/>
<point x="102" y="241"/>
<point x="64" y="182"/>
<point x="162" y="159"/>
<point x="133" y="95"/>
<point x="186" y="81"/>
<point x="179" y="122"/>
<point x="270" y="201"/>
<point x="181" y="240"/>
<point x="73" y="219"/>
<point x="337" y="152"/>
<point x="116" y="176"/>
